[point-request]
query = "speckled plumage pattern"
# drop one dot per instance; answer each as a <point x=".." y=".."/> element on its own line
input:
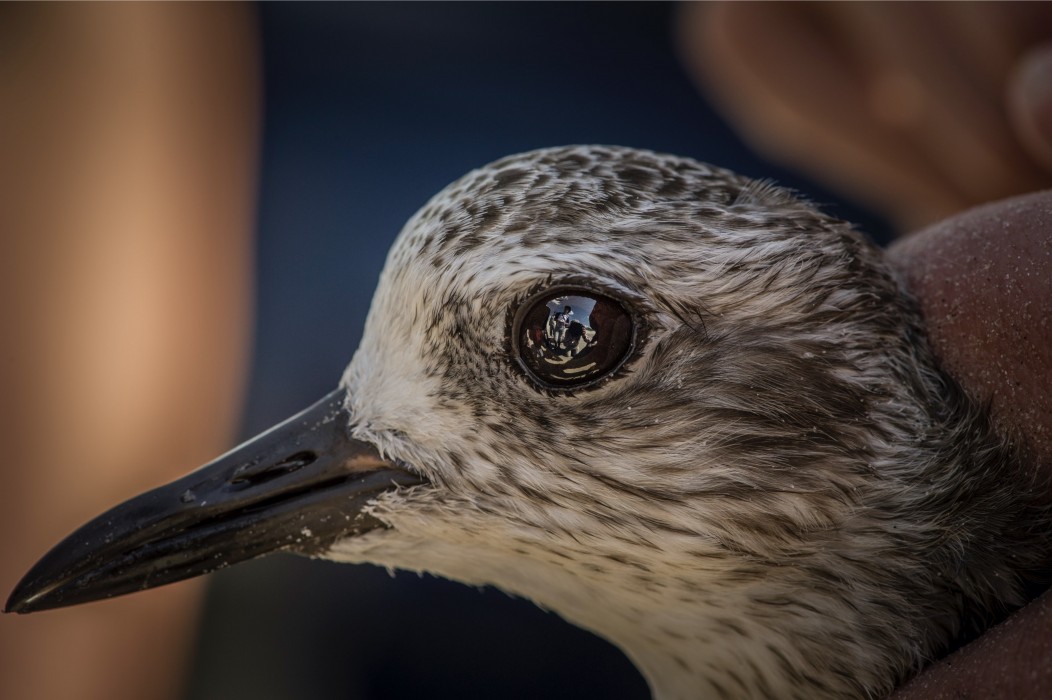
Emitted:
<point x="779" y="494"/>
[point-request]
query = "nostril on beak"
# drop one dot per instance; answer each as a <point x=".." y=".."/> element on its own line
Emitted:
<point x="254" y="474"/>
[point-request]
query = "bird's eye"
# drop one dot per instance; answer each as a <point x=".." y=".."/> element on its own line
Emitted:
<point x="569" y="338"/>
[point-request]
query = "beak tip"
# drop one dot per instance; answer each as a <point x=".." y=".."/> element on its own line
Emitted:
<point x="27" y="599"/>
<point x="42" y="588"/>
<point x="24" y="599"/>
<point x="18" y="602"/>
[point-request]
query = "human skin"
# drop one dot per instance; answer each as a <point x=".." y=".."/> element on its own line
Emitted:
<point x="918" y="110"/>
<point x="128" y="135"/>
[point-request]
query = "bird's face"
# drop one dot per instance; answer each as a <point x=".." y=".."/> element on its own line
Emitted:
<point x="714" y="410"/>
<point x="588" y="374"/>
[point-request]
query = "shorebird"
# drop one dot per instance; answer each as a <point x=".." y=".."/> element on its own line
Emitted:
<point x="682" y="408"/>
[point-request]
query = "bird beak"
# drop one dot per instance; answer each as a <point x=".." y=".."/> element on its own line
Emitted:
<point x="300" y="487"/>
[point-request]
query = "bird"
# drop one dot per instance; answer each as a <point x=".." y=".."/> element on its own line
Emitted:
<point x="682" y="408"/>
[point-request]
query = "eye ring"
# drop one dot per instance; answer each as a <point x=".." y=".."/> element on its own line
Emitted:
<point x="569" y="337"/>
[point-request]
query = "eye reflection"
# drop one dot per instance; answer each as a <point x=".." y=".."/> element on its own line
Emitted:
<point x="574" y="337"/>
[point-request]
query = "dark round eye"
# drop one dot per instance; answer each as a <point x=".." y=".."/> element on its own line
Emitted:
<point x="569" y="338"/>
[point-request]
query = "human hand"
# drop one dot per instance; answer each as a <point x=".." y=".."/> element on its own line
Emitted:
<point x="918" y="110"/>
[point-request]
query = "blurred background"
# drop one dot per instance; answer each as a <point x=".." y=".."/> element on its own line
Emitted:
<point x="196" y="202"/>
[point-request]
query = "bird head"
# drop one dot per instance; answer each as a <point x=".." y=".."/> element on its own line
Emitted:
<point x="738" y="354"/>
<point x="682" y="408"/>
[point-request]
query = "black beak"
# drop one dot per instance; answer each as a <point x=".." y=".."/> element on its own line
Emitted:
<point x="298" y="487"/>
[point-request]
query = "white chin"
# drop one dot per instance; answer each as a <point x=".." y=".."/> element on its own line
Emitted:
<point x="476" y="566"/>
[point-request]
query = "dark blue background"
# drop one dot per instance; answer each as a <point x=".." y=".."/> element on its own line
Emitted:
<point x="370" y="109"/>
